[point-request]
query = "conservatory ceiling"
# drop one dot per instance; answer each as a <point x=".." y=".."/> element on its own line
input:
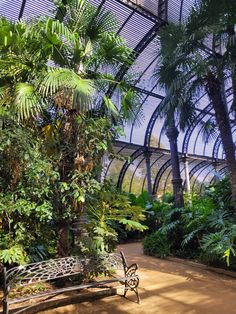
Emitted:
<point x="138" y="21"/>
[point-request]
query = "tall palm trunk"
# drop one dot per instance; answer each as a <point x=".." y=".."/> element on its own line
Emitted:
<point x="172" y="134"/>
<point x="68" y="138"/>
<point x="214" y="89"/>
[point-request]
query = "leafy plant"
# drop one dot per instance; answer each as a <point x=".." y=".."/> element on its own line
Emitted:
<point x="108" y="210"/>
<point x="157" y="244"/>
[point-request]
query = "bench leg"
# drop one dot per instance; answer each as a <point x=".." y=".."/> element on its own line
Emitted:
<point x="135" y="291"/>
<point x="137" y="295"/>
<point x="5" y="307"/>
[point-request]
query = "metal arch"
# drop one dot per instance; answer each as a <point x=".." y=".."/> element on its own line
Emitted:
<point x="188" y="134"/>
<point x="126" y="165"/>
<point x="151" y="34"/>
<point x="150" y="125"/>
<point x="222" y="171"/>
<point x="163" y="9"/>
<point x="132" y="178"/>
<point x="148" y="94"/>
<point x="201" y="171"/>
<point x="190" y="130"/>
<point x="197" y="167"/>
<point x="181" y="11"/>
<point x="22" y="9"/>
<point x="184" y="181"/>
<point x="203" y="181"/>
<point x="126" y="21"/>
<point x="217" y="145"/>
<point x="145" y="177"/>
<point x="108" y="167"/>
<point x="166" y="165"/>
<point x="204" y="112"/>
<point x="197" y="137"/>
<point x="167" y="178"/>
<point x="141" y="10"/>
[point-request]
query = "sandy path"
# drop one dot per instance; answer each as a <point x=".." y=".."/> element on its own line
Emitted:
<point x="166" y="287"/>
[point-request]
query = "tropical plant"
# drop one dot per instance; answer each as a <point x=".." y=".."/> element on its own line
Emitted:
<point x="188" y="67"/>
<point x="108" y="210"/>
<point x="157" y="244"/>
<point x="55" y="77"/>
<point x="26" y="207"/>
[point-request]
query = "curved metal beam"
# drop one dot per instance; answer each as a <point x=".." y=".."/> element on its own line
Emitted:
<point x="166" y="165"/>
<point x="22" y="9"/>
<point x="201" y="171"/>
<point x="197" y="167"/>
<point x="217" y="145"/>
<point x="134" y="172"/>
<point x="126" y="165"/>
<point x="159" y="157"/>
<point x="191" y="128"/>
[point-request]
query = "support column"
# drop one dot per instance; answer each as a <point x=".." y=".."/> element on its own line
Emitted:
<point x="148" y="170"/>
<point x="186" y="171"/>
<point x="172" y="134"/>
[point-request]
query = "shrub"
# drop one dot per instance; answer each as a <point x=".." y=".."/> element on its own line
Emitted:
<point x="156" y="244"/>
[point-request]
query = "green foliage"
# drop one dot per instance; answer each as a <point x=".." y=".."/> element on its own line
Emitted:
<point x="108" y="210"/>
<point x="26" y="196"/>
<point x="204" y="229"/>
<point x="13" y="255"/>
<point x="56" y="122"/>
<point x="156" y="244"/>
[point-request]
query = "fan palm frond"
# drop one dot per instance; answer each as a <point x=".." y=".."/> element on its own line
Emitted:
<point x="27" y="101"/>
<point x="58" y="78"/>
<point x="209" y="130"/>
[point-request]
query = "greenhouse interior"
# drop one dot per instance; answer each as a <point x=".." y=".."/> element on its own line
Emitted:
<point x="117" y="156"/>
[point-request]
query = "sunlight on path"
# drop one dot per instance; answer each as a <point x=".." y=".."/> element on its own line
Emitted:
<point x="166" y="288"/>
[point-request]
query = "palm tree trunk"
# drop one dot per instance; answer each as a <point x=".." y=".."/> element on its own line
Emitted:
<point x="172" y="134"/>
<point x="214" y="89"/>
<point x="68" y="139"/>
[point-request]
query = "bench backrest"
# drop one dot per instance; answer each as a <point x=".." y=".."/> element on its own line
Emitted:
<point x="61" y="267"/>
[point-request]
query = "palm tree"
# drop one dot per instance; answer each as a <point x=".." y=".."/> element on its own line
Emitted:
<point x="187" y="70"/>
<point x="53" y="71"/>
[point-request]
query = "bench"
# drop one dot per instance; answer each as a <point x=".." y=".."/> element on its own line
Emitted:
<point x="65" y="267"/>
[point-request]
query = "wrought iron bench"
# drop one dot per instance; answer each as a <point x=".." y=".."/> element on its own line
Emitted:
<point x="69" y="266"/>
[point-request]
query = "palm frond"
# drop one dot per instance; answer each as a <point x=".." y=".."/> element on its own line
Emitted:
<point x="27" y="102"/>
<point x="208" y="130"/>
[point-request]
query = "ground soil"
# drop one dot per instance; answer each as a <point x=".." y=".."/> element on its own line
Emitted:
<point x="166" y="287"/>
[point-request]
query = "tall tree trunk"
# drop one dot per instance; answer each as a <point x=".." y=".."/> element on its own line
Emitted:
<point x="68" y="138"/>
<point x="215" y="90"/>
<point x="63" y="236"/>
<point x="172" y="134"/>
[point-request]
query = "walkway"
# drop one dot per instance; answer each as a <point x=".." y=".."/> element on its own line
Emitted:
<point x="166" y="288"/>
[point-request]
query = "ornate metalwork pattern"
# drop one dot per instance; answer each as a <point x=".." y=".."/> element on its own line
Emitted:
<point x="62" y="267"/>
<point x="43" y="271"/>
<point x="68" y="266"/>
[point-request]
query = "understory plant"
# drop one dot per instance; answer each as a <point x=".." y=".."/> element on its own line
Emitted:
<point x="56" y="81"/>
<point x="27" y="230"/>
<point x="203" y="230"/>
<point x="109" y="210"/>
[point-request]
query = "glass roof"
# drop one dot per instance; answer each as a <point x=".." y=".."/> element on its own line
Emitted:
<point x="138" y="21"/>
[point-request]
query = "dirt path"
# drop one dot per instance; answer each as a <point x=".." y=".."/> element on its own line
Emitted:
<point x="166" y="288"/>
